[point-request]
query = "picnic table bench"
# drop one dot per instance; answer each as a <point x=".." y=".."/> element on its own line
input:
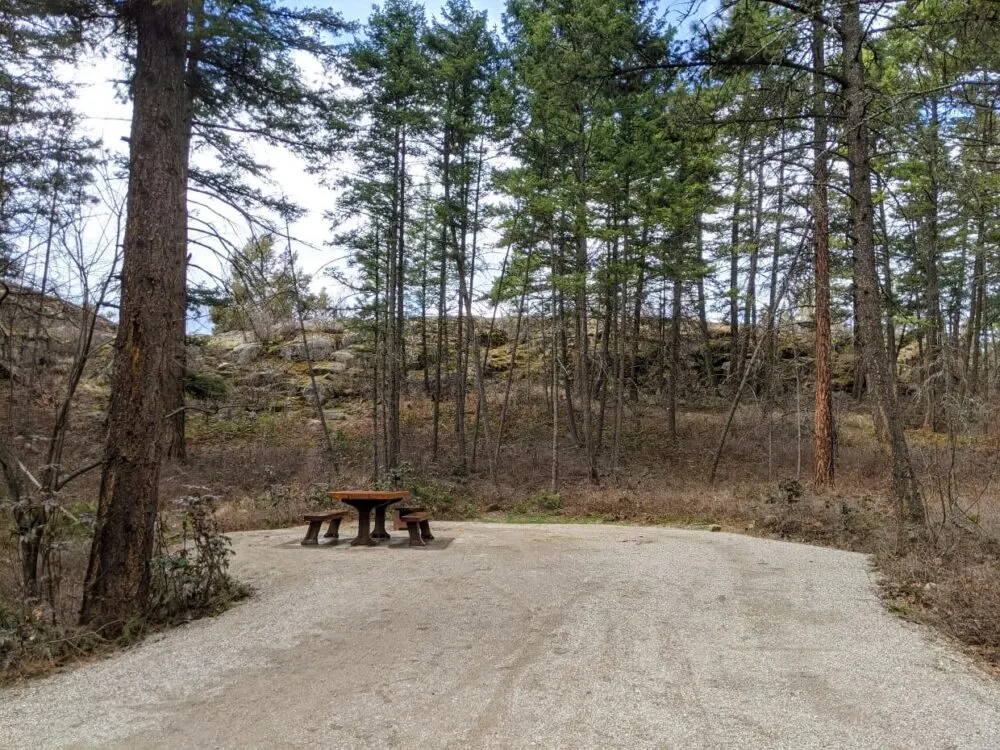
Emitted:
<point x="415" y="520"/>
<point x="316" y="520"/>
<point x="419" y="527"/>
<point x="365" y="501"/>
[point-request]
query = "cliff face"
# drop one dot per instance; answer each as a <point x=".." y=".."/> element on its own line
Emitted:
<point x="39" y="338"/>
<point x="41" y="335"/>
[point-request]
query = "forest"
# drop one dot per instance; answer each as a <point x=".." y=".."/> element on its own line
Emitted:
<point x="703" y="261"/>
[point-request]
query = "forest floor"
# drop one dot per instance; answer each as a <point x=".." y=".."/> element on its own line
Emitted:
<point x="501" y="635"/>
<point x="262" y="456"/>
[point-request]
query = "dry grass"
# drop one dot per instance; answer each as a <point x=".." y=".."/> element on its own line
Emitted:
<point x="270" y="468"/>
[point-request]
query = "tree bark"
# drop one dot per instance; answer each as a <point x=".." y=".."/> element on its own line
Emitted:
<point x="887" y="293"/>
<point x="750" y="298"/>
<point x="823" y="427"/>
<point x="442" y="289"/>
<point x="734" y="265"/>
<point x="675" y="361"/>
<point x="933" y="366"/>
<point x="174" y="441"/>
<point x="971" y="358"/>
<point x="856" y="96"/>
<point x="116" y="587"/>
<point x="706" y="336"/>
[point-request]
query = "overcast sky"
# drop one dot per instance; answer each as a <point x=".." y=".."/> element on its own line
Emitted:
<point x="106" y="117"/>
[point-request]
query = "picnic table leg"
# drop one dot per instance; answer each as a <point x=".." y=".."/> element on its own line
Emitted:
<point x="363" y="538"/>
<point x="380" y="532"/>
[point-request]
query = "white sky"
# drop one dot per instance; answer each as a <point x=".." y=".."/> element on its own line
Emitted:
<point x="107" y="118"/>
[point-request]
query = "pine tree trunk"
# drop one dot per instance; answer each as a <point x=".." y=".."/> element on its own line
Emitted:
<point x="425" y="259"/>
<point x="556" y="315"/>
<point x="608" y="324"/>
<point x="856" y="96"/>
<point x="887" y="293"/>
<point x="116" y="587"/>
<point x="465" y="292"/>
<point x="824" y="466"/>
<point x="377" y="345"/>
<point x="734" y="266"/>
<point x="394" y="312"/>
<point x="976" y="312"/>
<point x="750" y="298"/>
<point x="675" y="362"/>
<point x="583" y="355"/>
<point x="772" y="330"/>
<point x="706" y="336"/>
<point x="640" y="294"/>
<point x="462" y="334"/>
<point x="563" y="362"/>
<point x="933" y="366"/>
<point x="513" y="355"/>
<point x="173" y="386"/>
<point x="442" y="292"/>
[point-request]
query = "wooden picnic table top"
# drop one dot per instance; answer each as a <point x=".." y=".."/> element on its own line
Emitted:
<point x="367" y="495"/>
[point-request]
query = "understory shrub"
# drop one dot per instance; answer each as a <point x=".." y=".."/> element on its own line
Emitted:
<point x="190" y="568"/>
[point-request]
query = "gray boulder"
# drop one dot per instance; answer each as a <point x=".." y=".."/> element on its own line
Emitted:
<point x="321" y="325"/>
<point x="247" y="353"/>
<point x="326" y="368"/>
<point x="321" y="347"/>
<point x="308" y="392"/>
<point x="262" y="378"/>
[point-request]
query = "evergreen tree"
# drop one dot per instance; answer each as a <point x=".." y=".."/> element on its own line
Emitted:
<point x="387" y="64"/>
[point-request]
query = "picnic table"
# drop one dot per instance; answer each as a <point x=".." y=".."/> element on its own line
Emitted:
<point x="364" y="501"/>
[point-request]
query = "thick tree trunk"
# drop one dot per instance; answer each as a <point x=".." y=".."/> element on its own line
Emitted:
<point x="175" y="446"/>
<point x="823" y="426"/>
<point x="860" y="384"/>
<point x="856" y="96"/>
<point x="118" y="575"/>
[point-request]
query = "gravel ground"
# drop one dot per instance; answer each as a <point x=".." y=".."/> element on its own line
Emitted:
<point x="505" y="636"/>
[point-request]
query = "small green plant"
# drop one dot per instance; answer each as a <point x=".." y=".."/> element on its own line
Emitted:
<point x="190" y="571"/>
<point x="547" y="500"/>
<point x="317" y="496"/>
<point x="205" y="386"/>
<point x="396" y="476"/>
<point x="443" y="502"/>
<point x="541" y="503"/>
<point x="791" y="490"/>
<point x="240" y="425"/>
